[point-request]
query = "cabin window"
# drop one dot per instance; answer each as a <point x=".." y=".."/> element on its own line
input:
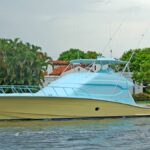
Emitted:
<point x="104" y="90"/>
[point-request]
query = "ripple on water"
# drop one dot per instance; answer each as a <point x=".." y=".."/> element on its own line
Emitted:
<point x="124" y="134"/>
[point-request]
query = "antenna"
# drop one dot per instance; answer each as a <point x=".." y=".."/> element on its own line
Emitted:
<point x="111" y="53"/>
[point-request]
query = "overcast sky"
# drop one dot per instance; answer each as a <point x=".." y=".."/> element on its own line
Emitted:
<point x="57" y="25"/>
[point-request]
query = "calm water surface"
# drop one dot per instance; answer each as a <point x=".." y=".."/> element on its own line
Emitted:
<point x="105" y="134"/>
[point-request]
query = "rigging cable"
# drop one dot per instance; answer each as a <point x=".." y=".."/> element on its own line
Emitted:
<point x="111" y="37"/>
<point x="127" y="64"/>
<point x="138" y="44"/>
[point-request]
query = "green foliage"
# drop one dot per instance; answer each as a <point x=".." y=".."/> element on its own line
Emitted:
<point x="140" y="64"/>
<point x="71" y="54"/>
<point x="142" y="97"/>
<point x="91" y="54"/>
<point x="21" y="63"/>
<point x="76" y="54"/>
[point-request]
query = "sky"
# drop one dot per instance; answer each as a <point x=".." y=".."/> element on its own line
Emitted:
<point x="58" y="25"/>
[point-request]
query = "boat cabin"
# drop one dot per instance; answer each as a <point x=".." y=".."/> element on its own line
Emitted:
<point x="104" y="84"/>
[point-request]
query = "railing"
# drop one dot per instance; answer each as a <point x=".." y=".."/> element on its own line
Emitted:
<point x="54" y="91"/>
<point x="50" y="91"/>
<point x="19" y="89"/>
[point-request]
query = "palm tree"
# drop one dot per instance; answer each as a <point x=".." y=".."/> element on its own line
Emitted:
<point x="21" y="63"/>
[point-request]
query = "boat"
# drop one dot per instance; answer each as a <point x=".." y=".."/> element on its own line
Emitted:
<point x="104" y="93"/>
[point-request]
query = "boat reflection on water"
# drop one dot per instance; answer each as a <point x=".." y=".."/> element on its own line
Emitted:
<point x="19" y="123"/>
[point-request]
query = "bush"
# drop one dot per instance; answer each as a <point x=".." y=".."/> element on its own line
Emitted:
<point x="142" y="97"/>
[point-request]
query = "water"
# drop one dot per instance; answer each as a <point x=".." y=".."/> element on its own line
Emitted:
<point x="105" y="134"/>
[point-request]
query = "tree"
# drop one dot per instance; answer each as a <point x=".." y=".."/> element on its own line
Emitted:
<point x="71" y="54"/>
<point x="76" y="54"/>
<point x="140" y="64"/>
<point x="21" y="63"/>
<point x="91" y="54"/>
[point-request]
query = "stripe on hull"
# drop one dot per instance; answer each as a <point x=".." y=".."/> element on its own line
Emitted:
<point x="77" y="118"/>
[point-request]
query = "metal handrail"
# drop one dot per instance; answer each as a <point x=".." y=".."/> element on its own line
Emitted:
<point x="18" y="89"/>
<point x="52" y="91"/>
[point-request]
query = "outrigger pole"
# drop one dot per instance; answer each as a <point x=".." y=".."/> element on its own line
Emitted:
<point x="142" y="37"/>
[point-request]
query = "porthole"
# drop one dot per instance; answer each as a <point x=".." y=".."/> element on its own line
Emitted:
<point x="97" y="108"/>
